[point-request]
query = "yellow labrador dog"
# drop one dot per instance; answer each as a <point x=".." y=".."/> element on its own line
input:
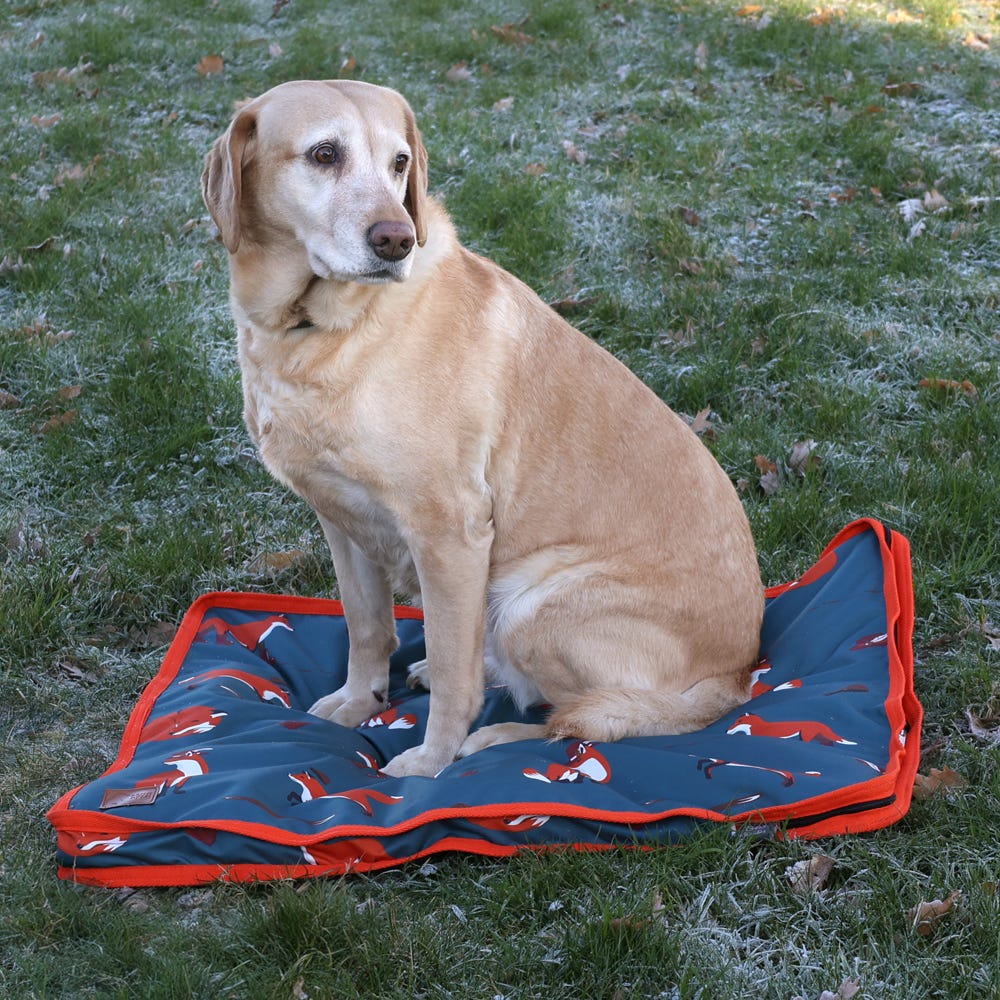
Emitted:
<point x="567" y="533"/>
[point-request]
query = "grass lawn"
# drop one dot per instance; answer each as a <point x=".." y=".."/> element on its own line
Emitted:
<point x="781" y="214"/>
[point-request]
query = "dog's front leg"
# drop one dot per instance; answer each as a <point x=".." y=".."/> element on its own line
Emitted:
<point x="453" y="579"/>
<point x="366" y="595"/>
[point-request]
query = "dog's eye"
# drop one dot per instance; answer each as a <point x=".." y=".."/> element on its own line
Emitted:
<point x="325" y="153"/>
<point x="400" y="163"/>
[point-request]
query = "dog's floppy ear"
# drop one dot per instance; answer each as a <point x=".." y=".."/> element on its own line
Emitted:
<point x="222" y="178"/>
<point x="416" y="184"/>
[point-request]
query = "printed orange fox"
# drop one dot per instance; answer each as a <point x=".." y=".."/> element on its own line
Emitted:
<point x="249" y="635"/>
<point x="807" y="731"/>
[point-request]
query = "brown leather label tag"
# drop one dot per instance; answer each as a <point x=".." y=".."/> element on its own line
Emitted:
<point x="118" y="798"/>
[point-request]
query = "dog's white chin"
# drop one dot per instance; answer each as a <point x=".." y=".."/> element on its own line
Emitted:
<point x="375" y="272"/>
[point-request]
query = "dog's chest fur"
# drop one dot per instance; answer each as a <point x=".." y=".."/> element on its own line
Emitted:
<point x="313" y="436"/>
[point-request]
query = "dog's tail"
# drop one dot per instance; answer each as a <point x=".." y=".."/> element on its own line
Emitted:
<point x="608" y="714"/>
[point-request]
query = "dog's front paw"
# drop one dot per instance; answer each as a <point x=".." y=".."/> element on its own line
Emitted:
<point x="417" y="676"/>
<point x="347" y="709"/>
<point x="417" y="761"/>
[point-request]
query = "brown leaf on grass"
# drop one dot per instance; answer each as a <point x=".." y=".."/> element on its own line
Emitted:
<point x="347" y="66"/>
<point x="75" y="669"/>
<point x="938" y="782"/>
<point x="824" y="15"/>
<point x="60" y="420"/>
<point x="770" y="480"/>
<point x="574" y="152"/>
<point x="571" y="303"/>
<point x="45" y="78"/>
<point x="69" y="392"/>
<point x="951" y="386"/>
<point x="750" y="10"/>
<point x="535" y="169"/>
<point x="41" y="332"/>
<point x="75" y="172"/>
<point x="46" y="121"/>
<point x="901" y="89"/>
<point x="153" y="634"/>
<point x="984" y="728"/>
<point x="511" y="33"/>
<point x="459" y="73"/>
<point x="680" y="338"/>
<point x="702" y="424"/>
<point x="849" y="988"/>
<point x="810" y="874"/>
<point x="924" y="918"/>
<point x="935" y="202"/>
<point x="688" y="216"/>
<point x="273" y="563"/>
<point x="974" y="40"/>
<point x="8" y="401"/>
<point x="210" y="65"/>
<point x="504" y="104"/>
<point x="803" y="458"/>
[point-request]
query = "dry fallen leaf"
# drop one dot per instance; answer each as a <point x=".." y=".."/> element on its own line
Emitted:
<point x="688" y="216"/>
<point x="934" y="201"/>
<point x="770" y="481"/>
<point x="576" y="154"/>
<point x="848" y="989"/>
<point x="987" y="729"/>
<point x="511" y="33"/>
<point x="938" y="782"/>
<point x="823" y="15"/>
<point x="273" y="563"/>
<point x="810" y="874"/>
<point x="211" y="64"/>
<point x="572" y="303"/>
<point x="8" y="401"/>
<point x="55" y="423"/>
<point x="504" y="104"/>
<point x="154" y="634"/>
<point x="702" y="424"/>
<point x="459" y="73"/>
<point x="46" y="121"/>
<point x="802" y="458"/>
<point x="925" y="917"/>
<point x="950" y="385"/>
<point x="901" y="89"/>
<point x="976" y="41"/>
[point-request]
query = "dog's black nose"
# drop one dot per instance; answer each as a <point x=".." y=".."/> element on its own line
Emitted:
<point x="391" y="240"/>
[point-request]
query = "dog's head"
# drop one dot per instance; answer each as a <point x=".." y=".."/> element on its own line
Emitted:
<point x="334" y="167"/>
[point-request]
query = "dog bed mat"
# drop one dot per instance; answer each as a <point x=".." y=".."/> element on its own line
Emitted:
<point x="222" y="774"/>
